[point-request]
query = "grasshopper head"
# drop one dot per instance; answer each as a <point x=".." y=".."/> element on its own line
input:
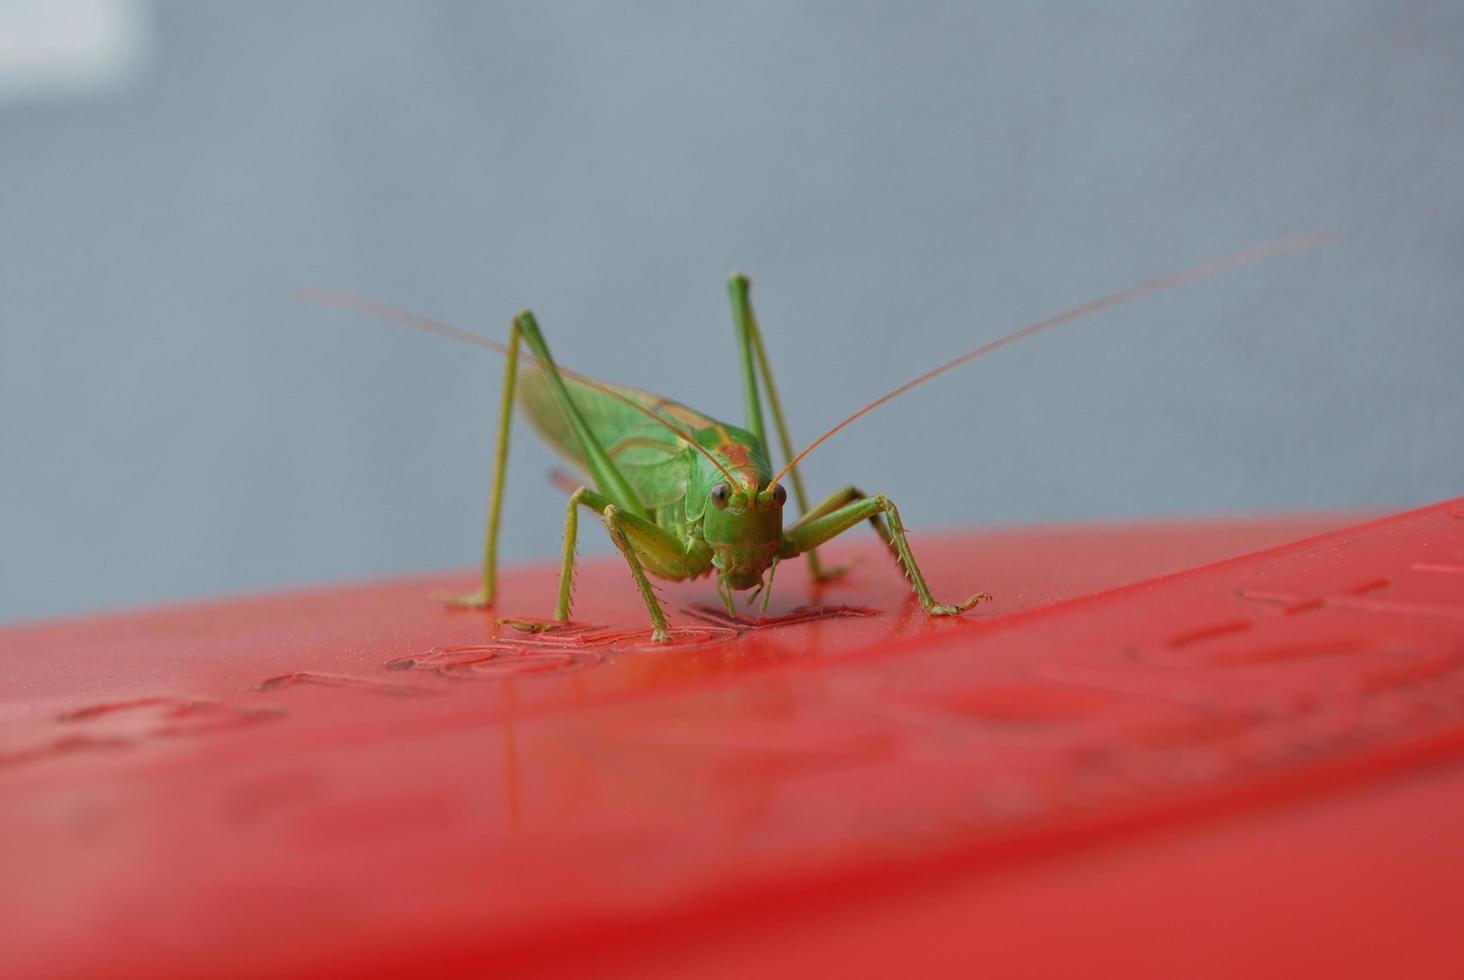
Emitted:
<point x="743" y="523"/>
<point x="740" y="507"/>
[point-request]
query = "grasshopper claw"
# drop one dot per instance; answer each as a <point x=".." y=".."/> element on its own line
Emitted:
<point x="533" y="625"/>
<point x="967" y="606"/>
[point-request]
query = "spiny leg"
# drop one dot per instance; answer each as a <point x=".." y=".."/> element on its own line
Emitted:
<point x="755" y="363"/>
<point x="637" y="538"/>
<point x="571" y="538"/>
<point x="614" y="523"/>
<point x="809" y="534"/>
<point x="644" y="538"/>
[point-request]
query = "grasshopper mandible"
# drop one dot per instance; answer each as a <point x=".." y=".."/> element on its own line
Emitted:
<point x="684" y="495"/>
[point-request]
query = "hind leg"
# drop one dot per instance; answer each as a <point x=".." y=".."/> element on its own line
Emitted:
<point x="488" y="590"/>
<point x="606" y="474"/>
<point x="755" y="367"/>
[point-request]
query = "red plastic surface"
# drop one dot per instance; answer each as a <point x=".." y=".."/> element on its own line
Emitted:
<point x="1141" y="760"/>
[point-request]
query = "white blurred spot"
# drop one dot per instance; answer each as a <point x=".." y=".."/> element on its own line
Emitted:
<point x="69" y="47"/>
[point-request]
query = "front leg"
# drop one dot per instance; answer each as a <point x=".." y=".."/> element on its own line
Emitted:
<point x="615" y="522"/>
<point x="636" y="538"/>
<point x="817" y="530"/>
<point x="836" y="500"/>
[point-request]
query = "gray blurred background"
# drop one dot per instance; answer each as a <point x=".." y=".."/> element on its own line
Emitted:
<point x="903" y="182"/>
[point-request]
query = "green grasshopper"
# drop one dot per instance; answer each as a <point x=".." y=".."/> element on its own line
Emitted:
<point x="684" y="495"/>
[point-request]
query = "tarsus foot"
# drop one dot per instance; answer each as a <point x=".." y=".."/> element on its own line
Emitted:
<point x="969" y="604"/>
<point x="534" y="625"/>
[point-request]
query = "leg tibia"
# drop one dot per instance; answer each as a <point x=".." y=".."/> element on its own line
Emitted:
<point x="615" y="524"/>
<point x="489" y="589"/>
<point x="589" y="498"/>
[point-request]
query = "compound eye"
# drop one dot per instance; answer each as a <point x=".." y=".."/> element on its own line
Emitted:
<point x="720" y="493"/>
<point x="780" y="496"/>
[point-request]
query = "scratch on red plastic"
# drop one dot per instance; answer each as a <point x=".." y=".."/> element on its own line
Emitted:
<point x="371" y="684"/>
<point x="1352" y="601"/>
<point x="1438" y="567"/>
<point x="803" y="614"/>
<point x="575" y="646"/>
<point x="111" y="725"/>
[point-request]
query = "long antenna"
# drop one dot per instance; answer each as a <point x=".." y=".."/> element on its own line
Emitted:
<point x="392" y="314"/>
<point x="1294" y="243"/>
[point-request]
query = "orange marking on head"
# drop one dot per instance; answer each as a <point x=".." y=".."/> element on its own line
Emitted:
<point x="734" y="459"/>
<point x="737" y="456"/>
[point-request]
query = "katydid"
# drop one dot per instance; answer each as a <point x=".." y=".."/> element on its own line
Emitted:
<point x="684" y="495"/>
